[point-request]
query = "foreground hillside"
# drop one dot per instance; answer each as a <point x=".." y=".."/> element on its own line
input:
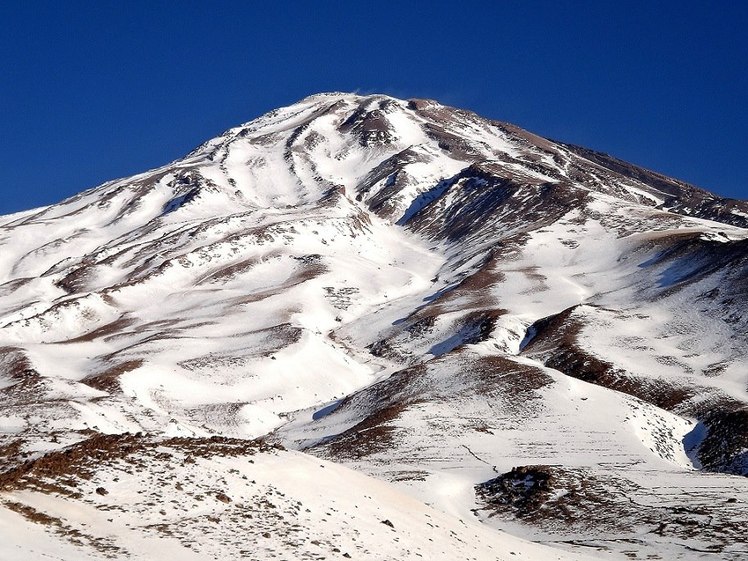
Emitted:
<point x="486" y="344"/>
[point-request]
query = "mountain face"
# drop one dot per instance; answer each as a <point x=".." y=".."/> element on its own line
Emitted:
<point x="361" y="327"/>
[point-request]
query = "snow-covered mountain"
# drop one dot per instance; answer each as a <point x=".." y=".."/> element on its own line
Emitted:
<point x="379" y="329"/>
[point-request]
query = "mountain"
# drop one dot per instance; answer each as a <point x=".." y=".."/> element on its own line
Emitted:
<point x="362" y="327"/>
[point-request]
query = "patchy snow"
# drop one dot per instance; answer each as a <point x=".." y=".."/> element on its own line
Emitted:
<point x="377" y="300"/>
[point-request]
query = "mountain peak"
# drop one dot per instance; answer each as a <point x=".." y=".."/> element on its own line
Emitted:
<point x="516" y="331"/>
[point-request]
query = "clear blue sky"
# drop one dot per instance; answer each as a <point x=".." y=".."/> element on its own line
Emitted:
<point x="90" y="91"/>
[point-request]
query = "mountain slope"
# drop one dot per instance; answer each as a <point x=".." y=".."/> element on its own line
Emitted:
<point x="516" y="331"/>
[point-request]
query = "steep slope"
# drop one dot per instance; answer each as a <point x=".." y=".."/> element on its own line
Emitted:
<point x="516" y="331"/>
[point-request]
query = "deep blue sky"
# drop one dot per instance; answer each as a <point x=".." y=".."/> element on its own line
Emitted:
<point x="90" y="91"/>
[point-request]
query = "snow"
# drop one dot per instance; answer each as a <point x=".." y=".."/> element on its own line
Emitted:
<point x="244" y="290"/>
<point x="333" y="510"/>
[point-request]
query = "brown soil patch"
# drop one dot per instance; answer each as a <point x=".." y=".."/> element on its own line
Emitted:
<point x="113" y="328"/>
<point x="60" y="471"/>
<point x="14" y="364"/>
<point x="108" y="380"/>
<point x="372" y="435"/>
